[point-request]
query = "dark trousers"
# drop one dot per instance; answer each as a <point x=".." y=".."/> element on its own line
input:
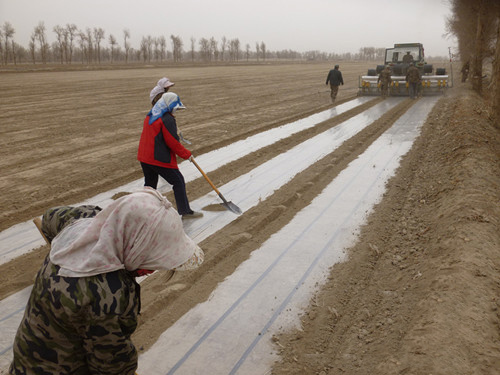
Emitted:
<point x="413" y="89"/>
<point x="174" y="177"/>
<point x="333" y="92"/>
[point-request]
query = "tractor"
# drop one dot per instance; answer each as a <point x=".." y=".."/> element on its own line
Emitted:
<point x="399" y="59"/>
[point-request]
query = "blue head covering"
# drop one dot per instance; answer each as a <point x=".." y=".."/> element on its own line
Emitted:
<point x="169" y="102"/>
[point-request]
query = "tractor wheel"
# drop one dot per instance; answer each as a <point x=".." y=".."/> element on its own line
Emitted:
<point x="372" y="72"/>
<point x="440" y="71"/>
<point x="380" y="68"/>
<point x="428" y="68"/>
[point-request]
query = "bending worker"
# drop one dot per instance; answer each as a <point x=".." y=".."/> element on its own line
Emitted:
<point x="85" y="301"/>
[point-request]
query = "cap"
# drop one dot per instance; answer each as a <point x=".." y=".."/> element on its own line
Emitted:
<point x="160" y="87"/>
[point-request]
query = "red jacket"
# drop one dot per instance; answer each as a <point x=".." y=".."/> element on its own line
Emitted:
<point x="160" y="144"/>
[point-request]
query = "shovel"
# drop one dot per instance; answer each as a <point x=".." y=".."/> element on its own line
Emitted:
<point x="229" y="205"/>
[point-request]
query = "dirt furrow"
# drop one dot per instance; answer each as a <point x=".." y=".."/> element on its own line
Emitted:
<point x="234" y="243"/>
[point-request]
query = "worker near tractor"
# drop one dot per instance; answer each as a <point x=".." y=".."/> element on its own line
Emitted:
<point x="162" y="86"/>
<point x="85" y="300"/>
<point x="384" y="78"/>
<point x="465" y="71"/>
<point x="158" y="149"/>
<point x="335" y="79"/>
<point x="408" y="58"/>
<point x="414" y="80"/>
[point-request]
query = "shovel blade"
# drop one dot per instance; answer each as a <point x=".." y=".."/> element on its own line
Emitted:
<point x="232" y="207"/>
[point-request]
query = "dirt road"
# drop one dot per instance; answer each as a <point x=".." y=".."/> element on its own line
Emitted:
<point x="419" y="293"/>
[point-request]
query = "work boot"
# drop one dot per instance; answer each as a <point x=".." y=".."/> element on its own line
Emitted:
<point x="192" y="215"/>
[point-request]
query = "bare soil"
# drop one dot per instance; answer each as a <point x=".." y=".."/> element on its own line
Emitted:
<point x="419" y="293"/>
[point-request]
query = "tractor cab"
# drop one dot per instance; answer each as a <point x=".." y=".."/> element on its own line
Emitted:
<point x="404" y="53"/>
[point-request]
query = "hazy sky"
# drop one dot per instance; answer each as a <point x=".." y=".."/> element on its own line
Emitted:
<point x="300" y="25"/>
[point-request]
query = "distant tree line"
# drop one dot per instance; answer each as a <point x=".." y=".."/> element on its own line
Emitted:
<point x="476" y="25"/>
<point x="93" y="46"/>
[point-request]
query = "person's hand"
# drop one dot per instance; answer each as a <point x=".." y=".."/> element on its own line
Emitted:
<point x="191" y="158"/>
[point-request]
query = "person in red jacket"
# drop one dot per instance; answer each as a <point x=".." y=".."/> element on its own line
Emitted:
<point x="158" y="149"/>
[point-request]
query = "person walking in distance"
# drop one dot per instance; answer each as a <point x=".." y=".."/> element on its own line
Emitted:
<point x="158" y="149"/>
<point x="335" y="79"/>
<point x="413" y="79"/>
<point x="385" y="81"/>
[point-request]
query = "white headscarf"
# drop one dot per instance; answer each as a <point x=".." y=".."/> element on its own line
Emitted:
<point x="160" y="87"/>
<point x="169" y="102"/>
<point x="138" y="231"/>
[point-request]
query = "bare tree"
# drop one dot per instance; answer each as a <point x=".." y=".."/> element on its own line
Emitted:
<point x="234" y="49"/>
<point x="204" y="49"/>
<point x="477" y="61"/>
<point x="193" y="43"/>
<point x="247" y="51"/>
<point x="126" y="45"/>
<point x="257" y="50"/>
<point x="7" y="32"/>
<point x="214" y="51"/>
<point x="32" y="47"/>
<point x="15" y="48"/>
<point x="1" y="46"/>
<point x="60" y="41"/>
<point x="223" y="45"/>
<point x="144" y="48"/>
<point x="495" y="77"/>
<point x="112" y="43"/>
<point x="42" y="41"/>
<point x="380" y="54"/>
<point x="474" y="22"/>
<point x="149" y="47"/>
<point x="163" y="47"/>
<point x="156" y="49"/>
<point x="263" y="50"/>
<point x="176" y="47"/>
<point x="82" y="40"/>
<point x="90" y="46"/>
<point x="98" y="37"/>
<point x="71" y="32"/>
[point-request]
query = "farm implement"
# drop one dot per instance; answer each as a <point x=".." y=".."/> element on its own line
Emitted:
<point x="399" y="59"/>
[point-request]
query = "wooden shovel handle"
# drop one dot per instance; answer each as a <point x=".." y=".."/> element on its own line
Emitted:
<point x="204" y="175"/>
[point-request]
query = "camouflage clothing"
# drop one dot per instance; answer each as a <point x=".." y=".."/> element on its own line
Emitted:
<point x="413" y="79"/>
<point x="56" y="219"/>
<point x="77" y="325"/>
<point x="413" y="75"/>
<point x="385" y="80"/>
<point x="407" y="58"/>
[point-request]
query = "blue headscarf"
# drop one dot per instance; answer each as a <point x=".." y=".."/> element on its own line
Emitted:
<point x="169" y="102"/>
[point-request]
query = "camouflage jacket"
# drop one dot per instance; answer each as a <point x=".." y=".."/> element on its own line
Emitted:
<point x="413" y="75"/>
<point x="77" y="325"/>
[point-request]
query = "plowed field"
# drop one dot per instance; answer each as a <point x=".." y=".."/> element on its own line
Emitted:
<point x="419" y="293"/>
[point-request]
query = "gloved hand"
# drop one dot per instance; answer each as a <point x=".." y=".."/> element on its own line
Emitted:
<point x="191" y="158"/>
